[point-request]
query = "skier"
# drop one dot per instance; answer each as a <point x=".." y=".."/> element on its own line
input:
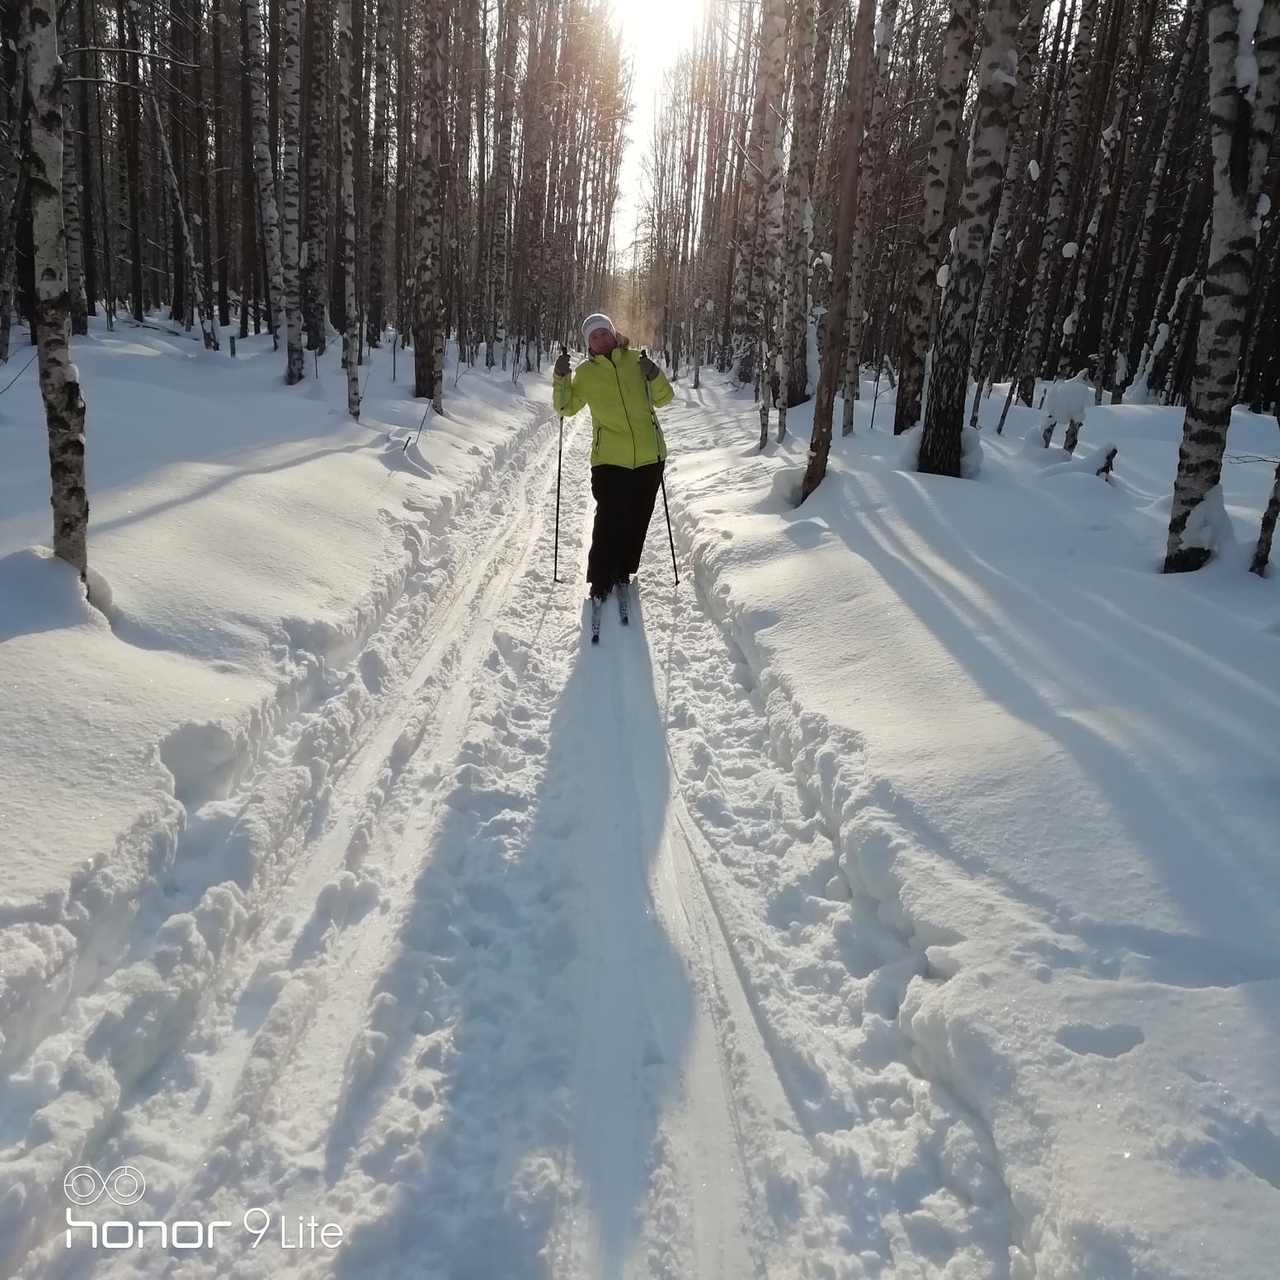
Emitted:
<point x="628" y="453"/>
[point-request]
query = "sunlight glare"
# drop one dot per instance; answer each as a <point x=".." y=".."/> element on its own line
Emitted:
<point x="653" y="33"/>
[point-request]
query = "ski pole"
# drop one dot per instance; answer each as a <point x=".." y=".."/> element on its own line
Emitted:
<point x="555" y="555"/>
<point x="670" y="539"/>
<point x="666" y="510"/>
<point x="422" y="424"/>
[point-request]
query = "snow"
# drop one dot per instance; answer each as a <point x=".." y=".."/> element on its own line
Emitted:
<point x="895" y="896"/>
<point x="944" y="274"/>
<point x="1070" y="249"/>
<point x="1067" y="399"/>
<point x="1249" y="11"/>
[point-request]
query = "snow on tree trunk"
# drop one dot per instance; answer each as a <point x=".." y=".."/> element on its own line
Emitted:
<point x="953" y="76"/>
<point x="204" y="307"/>
<point x="59" y="379"/>
<point x="1051" y="237"/>
<point x="315" y="240"/>
<point x="346" y="141"/>
<point x="290" y="124"/>
<point x="71" y="216"/>
<point x="846" y="213"/>
<point x="1244" y="81"/>
<point x="263" y="170"/>
<point x="942" y="438"/>
<point x="378" y="186"/>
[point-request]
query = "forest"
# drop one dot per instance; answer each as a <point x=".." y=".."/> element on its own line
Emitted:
<point x="954" y="195"/>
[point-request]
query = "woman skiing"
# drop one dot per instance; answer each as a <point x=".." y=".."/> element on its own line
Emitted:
<point x="628" y="453"/>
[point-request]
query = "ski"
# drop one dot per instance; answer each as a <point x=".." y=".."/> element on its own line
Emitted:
<point x="597" y="606"/>
<point x="624" y="602"/>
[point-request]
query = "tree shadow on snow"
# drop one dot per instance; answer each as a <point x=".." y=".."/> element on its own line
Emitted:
<point x="1058" y="633"/>
<point x="540" y="1013"/>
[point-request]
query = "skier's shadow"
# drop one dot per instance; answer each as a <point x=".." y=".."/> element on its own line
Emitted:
<point x="545" y="1013"/>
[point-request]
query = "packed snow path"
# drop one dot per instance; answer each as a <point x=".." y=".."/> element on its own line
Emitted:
<point x="486" y="966"/>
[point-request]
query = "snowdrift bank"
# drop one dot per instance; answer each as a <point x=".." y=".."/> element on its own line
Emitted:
<point x="1054" y="771"/>
<point x="245" y="540"/>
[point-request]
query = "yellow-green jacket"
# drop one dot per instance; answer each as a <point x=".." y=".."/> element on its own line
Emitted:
<point x="624" y="432"/>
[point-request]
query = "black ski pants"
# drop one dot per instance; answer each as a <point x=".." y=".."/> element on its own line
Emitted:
<point x="624" y="505"/>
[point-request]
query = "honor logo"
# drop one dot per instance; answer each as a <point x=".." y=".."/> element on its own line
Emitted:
<point x="125" y="1186"/>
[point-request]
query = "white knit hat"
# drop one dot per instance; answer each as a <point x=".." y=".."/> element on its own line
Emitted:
<point x="597" y="321"/>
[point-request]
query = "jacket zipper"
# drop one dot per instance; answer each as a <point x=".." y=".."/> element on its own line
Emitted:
<point x="625" y="410"/>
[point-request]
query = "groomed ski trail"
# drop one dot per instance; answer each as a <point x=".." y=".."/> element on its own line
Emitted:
<point x="511" y="1006"/>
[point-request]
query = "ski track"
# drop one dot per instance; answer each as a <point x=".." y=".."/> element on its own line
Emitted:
<point x="536" y="969"/>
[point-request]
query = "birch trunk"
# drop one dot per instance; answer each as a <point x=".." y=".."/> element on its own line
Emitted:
<point x="1125" y="364"/>
<point x="793" y="375"/>
<point x="1266" y="532"/>
<point x="378" y="189"/>
<point x="1051" y="235"/>
<point x="500" y="191"/>
<point x="71" y="215"/>
<point x="761" y="150"/>
<point x="867" y="194"/>
<point x="83" y="160"/>
<point x="832" y="352"/>
<point x="290" y="123"/>
<point x="1025" y="108"/>
<point x="263" y="169"/>
<point x="1108" y="147"/>
<point x="953" y="76"/>
<point x="203" y="308"/>
<point x="59" y="379"/>
<point x="347" y="187"/>
<point x="1242" y="111"/>
<point x="12" y="203"/>
<point x="221" y="158"/>
<point x="428" y="307"/>
<point x="315" y="237"/>
<point x="941" y="441"/>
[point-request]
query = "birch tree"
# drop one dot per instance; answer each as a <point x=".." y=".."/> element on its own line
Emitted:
<point x="832" y="346"/>
<point x="941" y="440"/>
<point x="1244" y="80"/>
<point x="263" y="169"/>
<point x="758" y="182"/>
<point x="428" y="319"/>
<point x="315" y="236"/>
<point x="346" y="142"/>
<point x="290" y="124"/>
<point x="1054" y="246"/>
<point x="378" y="187"/>
<point x="953" y="76"/>
<point x="860" y="266"/>
<point x="202" y="303"/>
<point x="59" y="381"/>
<point x="793" y="373"/>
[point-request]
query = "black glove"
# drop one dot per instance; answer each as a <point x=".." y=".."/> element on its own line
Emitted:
<point x="562" y="365"/>
<point x="648" y="368"/>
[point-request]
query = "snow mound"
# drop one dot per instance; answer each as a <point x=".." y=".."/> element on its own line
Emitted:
<point x="39" y="592"/>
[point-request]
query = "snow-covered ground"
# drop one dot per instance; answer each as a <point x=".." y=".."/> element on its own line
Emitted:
<point x="896" y="896"/>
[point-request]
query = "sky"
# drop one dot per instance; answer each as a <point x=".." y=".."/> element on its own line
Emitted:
<point x="654" y="32"/>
